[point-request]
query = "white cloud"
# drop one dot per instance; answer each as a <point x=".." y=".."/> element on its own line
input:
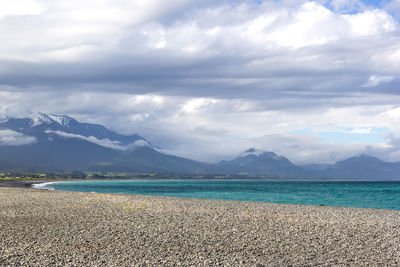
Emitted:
<point x="69" y="30"/>
<point x="12" y="138"/>
<point x="376" y="80"/>
<point x="20" y="8"/>
<point x="361" y="131"/>
<point x="371" y="23"/>
<point x="197" y="104"/>
<point x="102" y="142"/>
<point x="77" y="31"/>
<point x="388" y="152"/>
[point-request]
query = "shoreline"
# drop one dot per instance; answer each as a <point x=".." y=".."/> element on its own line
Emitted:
<point x="43" y="185"/>
<point x="27" y="183"/>
<point x="18" y="183"/>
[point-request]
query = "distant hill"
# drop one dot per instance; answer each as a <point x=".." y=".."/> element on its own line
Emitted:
<point x="57" y="142"/>
<point x="147" y="159"/>
<point x="257" y="163"/>
<point x="363" y="167"/>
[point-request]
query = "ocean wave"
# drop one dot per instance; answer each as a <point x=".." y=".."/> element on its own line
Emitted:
<point x="44" y="186"/>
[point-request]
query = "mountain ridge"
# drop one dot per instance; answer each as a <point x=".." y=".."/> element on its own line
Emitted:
<point x="39" y="122"/>
<point x="62" y="143"/>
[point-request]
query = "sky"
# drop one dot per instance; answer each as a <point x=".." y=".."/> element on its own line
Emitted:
<point x="315" y="81"/>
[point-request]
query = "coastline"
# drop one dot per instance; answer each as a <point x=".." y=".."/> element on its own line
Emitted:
<point x="358" y="201"/>
<point x="17" y="183"/>
<point x="45" y="227"/>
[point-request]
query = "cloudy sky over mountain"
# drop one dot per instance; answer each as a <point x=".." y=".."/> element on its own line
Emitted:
<point x="316" y="81"/>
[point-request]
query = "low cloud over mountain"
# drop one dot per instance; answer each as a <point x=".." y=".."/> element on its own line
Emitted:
<point x="12" y="138"/>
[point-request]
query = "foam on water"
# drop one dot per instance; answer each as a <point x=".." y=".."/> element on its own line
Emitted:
<point x="44" y="185"/>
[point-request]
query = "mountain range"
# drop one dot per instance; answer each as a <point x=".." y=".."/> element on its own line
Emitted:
<point x="40" y="142"/>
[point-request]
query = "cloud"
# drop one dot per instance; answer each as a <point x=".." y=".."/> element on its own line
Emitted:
<point x="208" y="79"/>
<point x="361" y="130"/>
<point x="12" y="138"/>
<point x="389" y="152"/>
<point x="219" y="50"/>
<point x="376" y="80"/>
<point x="102" y="142"/>
<point x="20" y="8"/>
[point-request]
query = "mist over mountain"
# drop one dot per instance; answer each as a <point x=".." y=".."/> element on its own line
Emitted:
<point x="58" y="142"/>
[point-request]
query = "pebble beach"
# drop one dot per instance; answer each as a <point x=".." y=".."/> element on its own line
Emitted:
<point x="58" y="228"/>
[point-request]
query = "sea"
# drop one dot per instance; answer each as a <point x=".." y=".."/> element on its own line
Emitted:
<point x="360" y="194"/>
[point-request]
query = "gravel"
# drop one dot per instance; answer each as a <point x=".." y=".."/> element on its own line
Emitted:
<point x="57" y="228"/>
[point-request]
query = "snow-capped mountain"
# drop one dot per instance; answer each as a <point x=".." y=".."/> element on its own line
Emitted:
<point x="59" y="142"/>
<point x="48" y="119"/>
<point x="41" y="125"/>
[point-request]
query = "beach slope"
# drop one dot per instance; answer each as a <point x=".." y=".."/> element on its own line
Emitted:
<point x="42" y="227"/>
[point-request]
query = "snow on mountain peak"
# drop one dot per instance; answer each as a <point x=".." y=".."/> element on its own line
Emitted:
<point x="61" y="119"/>
<point x="40" y="118"/>
<point x="47" y="119"/>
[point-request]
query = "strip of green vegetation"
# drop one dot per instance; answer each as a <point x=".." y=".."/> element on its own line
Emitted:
<point x="66" y="175"/>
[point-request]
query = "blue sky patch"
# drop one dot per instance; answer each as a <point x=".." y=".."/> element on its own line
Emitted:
<point x="347" y="135"/>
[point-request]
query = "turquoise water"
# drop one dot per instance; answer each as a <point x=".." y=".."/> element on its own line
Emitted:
<point x="379" y="195"/>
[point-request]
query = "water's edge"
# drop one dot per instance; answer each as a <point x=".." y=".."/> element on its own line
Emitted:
<point x="375" y="195"/>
